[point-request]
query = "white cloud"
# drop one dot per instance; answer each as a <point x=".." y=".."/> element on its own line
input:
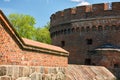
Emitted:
<point x="7" y="0"/>
<point x="81" y="2"/>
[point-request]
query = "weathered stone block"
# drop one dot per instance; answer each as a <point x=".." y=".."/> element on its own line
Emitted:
<point x="36" y="76"/>
<point x="9" y="70"/>
<point x="26" y="71"/>
<point x="23" y="78"/>
<point x="15" y="72"/>
<point x="60" y="76"/>
<point x="20" y="71"/>
<point x="2" y="70"/>
<point x="5" y="78"/>
<point x="32" y="70"/>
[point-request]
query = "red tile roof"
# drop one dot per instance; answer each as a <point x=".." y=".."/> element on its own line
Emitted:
<point x="43" y="45"/>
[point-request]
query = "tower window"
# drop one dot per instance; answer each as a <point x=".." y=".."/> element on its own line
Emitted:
<point x="116" y="65"/>
<point x="107" y="27"/>
<point x="100" y="28"/>
<point x="87" y="61"/>
<point x="87" y="28"/>
<point x="62" y="43"/>
<point x="94" y="28"/>
<point x="89" y="41"/>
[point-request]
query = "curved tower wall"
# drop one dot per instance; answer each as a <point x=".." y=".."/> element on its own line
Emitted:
<point x="82" y="29"/>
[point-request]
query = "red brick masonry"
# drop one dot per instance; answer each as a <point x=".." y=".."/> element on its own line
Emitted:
<point x="18" y="51"/>
<point x="82" y="29"/>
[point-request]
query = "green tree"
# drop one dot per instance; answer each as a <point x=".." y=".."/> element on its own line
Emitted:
<point x="43" y="34"/>
<point x="24" y="25"/>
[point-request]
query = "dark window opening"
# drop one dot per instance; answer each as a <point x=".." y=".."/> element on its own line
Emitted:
<point x="100" y="28"/>
<point x="107" y="27"/>
<point x="87" y="28"/>
<point x="82" y="29"/>
<point x="77" y="29"/>
<point x="62" y="43"/>
<point x="69" y="31"/>
<point x="94" y="28"/>
<point x="113" y="27"/>
<point x="65" y="31"/>
<point x="87" y="61"/>
<point x="58" y="32"/>
<point x="61" y="31"/>
<point x="89" y="41"/>
<point x="73" y="30"/>
<point x="116" y="65"/>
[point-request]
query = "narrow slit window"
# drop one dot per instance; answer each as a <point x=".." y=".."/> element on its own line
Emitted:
<point x="62" y="43"/>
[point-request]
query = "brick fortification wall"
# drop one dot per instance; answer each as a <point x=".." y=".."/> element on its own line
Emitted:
<point x="10" y="53"/>
<point x="84" y="28"/>
<point x="24" y="59"/>
<point x="20" y="51"/>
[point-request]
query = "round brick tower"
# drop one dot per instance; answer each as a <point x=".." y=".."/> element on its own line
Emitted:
<point x="82" y="29"/>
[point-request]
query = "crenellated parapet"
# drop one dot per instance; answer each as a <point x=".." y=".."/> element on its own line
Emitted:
<point x="85" y="12"/>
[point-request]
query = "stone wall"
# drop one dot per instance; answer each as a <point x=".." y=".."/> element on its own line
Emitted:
<point x="14" y="72"/>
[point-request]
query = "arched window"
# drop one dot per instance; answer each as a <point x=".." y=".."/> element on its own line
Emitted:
<point x="82" y="29"/>
<point x="53" y="34"/>
<point x="87" y="28"/>
<point x="100" y="28"/>
<point x="56" y="33"/>
<point x="65" y="31"/>
<point x="69" y="31"/>
<point x="116" y="65"/>
<point x="107" y="27"/>
<point x="61" y="31"/>
<point x="73" y="30"/>
<point x="62" y="43"/>
<point x="113" y="27"/>
<point x="94" y="28"/>
<point x="77" y="29"/>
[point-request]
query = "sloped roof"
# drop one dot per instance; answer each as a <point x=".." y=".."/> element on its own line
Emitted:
<point x="82" y="72"/>
<point x="108" y="46"/>
<point x="29" y="44"/>
<point x="43" y="45"/>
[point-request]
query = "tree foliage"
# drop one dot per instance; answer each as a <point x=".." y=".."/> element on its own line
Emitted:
<point x="25" y="26"/>
<point x="43" y="34"/>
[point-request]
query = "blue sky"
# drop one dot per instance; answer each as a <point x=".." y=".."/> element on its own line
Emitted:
<point x="41" y="10"/>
